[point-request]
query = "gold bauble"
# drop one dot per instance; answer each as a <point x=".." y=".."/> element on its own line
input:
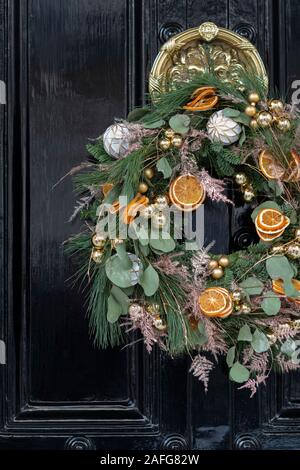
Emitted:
<point x="296" y="324"/>
<point x="224" y="261"/>
<point x="98" y="241"/>
<point x="245" y="308"/>
<point x="297" y="233"/>
<point x="164" y="144"/>
<point x="97" y="256"/>
<point x="264" y="119"/>
<point x="149" y="173"/>
<point x="135" y="310"/>
<point x="283" y="124"/>
<point x="116" y="242"/>
<point x="177" y="141"/>
<point x="147" y="211"/>
<point x="254" y="124"/>
<point x="240" y="178"/>
<point x="293" y="251"/>
<point x="249" y="194"/>
<point x="237" y="296"/>
<point x="217" y="273"/>
<point x="253" y="97"/>
<point x="272" y="338"/>
<point x="276" y="106"/>
<point x="250" y="111"/>
<point x="143" y="188"/>
<point x="159" y="324"/>
<point x="213" y="264"/>
<point x="169" y="133"/>
<point x="159" y="220"/>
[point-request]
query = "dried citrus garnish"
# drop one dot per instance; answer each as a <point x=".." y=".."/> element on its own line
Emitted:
<point x="270" y="224"/>
<point x="269" y="166"/>
<point x="204" y="98"/>
<point x="278" y="288"/>
<point x="292" y="175"/>
<point x="106" y="188"/>
<point x="134" y="206"/>
<point x="215" y="302"/>
<point x="187" y="192"/>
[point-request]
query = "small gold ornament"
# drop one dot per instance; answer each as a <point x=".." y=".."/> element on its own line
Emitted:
<point x="249" y="194"/>
<point x="250" y="111"/>
<point x="147" y="212"/>
<point x="97" y="256"/>
<point x="297" y="233"/>
<point x="293" y="251"/>
<point x="149" y="173"/>
<point x="264" y="119"/>
<point x="143" y="188"/>
<point x="217" y="273"/>
<point x="161" y="203"/>
<point x="296" y="324"/>
<point x="283" y="124"/>
<point x="276" y="106"/>
<point x="240" y="179"/>
<point x="213" y="264"/>
<point x="169" y="133"/>
<point x="237" y="296"/>
<point x="272" y="338"/>
<point x="153" y="309"/>
<point x="165" y="144"/>
<point x="98" y="241"/>
<point x="253" y="97"/>
<point x="135" y="309"/>
<point x="159" y="324"/>
<point x="177" y="141"/>
<point x="224" y="261"/>
<point x="159" y="220"/>
<point x="278" y="250"/>
<point x="245" y="308"/>
<point x="254" y="124"/>
<point x="116" y="242"/>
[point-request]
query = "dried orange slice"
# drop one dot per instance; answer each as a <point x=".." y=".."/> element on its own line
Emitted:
<point x="133" y="207"/>
<point x="204" y="98"/>
<point x="277" y="286"/>
<point x="215" y="302"/>
<point x="271" y="220"/>
<point x="268" y="237"/>
<point x="269" y="166"/>
<point x="292" y="175"/>
<point x="106" y="188"/>
<point x="187" y="192"/>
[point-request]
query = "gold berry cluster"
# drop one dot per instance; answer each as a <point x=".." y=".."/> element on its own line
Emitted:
<point x="246" y="188"/>
<point x="170" y="139"/>
<point x="264" y="118"/>
<point x="217" y="266"/>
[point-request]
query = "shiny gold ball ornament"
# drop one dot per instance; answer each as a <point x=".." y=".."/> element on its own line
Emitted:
<point x="97" y="256"/>
<point x="253" y="97"/>
<point x="272" y="338"/>
<point x="98" y="240"/>
<point x="149" y="173"/>
<point x="276" y="106"/>
<point x="165" y="144"/>
<point x="283" y="124"/>
<point x="177" y="141"/>
<point x="254" y="124"/>
<point x="169" y="133"/>
<point x="159" y="324"/>
<point x="240" y="179"/>
<point x="250" y="111"/>
<point x="264" y="119"/>
<point x="116" y="242"/>
<point x="293" y="251"/>
<point x="213" y="264"/>
<point x="217" y="273"/>
<point x="249" y="194"/>
<point x="135" y="310"/>
<point x="159" y="220"/>
<point x="237" y="296"/>
<point x="245" y="308"/>
<point x="143" y="188"/>
<point x="224" y="261"/>
<point x="147" y="211"/>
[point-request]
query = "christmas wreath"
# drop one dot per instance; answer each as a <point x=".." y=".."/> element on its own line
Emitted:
<point x="204" y="139"/>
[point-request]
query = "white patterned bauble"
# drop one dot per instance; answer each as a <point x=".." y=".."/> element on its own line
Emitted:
<point x="116" y="140"/>
<point x="223" y="129"/>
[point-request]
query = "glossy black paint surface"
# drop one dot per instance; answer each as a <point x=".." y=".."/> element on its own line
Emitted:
<point x="70" y="68"/>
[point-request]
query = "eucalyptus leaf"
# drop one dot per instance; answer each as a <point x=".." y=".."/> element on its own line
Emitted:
<point x="123" y="255"/>
<point x="231" y="113"/>
<point x="275" y="187"/>
<point x="288" y="347"/>
<point x="230" y="356"/>
<point x="252" y="285"/>
<point x="242" y="138"/>
<point x="239" y="373"/>
<point x="166" y="245"/>
<point x="242" y="119"/>
<point x="117" y="274"/>
<point x="245" y="334"/>
<point x="180" y="123"/>
<point x="271" y="303"/>
<point x="289" y="289"/>
<point x="114" y="309"/>
<point x="121" y="297"/>
<point x="149" y="281"/>
<point x="259" y="342"/>
<point x="137" y="114"/>
<point x="164" y="166"/>
<point x="154" y="124"/>
<point x="279" y="267"/>
<point x="264" y="205"/>
<point x="145" y="249"/>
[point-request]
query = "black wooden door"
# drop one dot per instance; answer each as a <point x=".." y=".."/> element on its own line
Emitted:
<point x="70" y="67"/>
